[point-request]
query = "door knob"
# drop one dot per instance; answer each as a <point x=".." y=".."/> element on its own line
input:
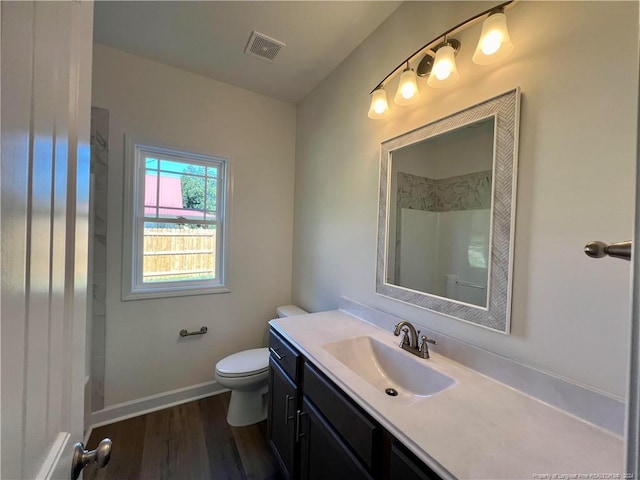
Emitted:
<point x="616" y="250"/>
<point x="82" y="457"/>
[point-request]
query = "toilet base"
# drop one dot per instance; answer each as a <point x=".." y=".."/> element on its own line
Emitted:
<point x="247" y="408"/>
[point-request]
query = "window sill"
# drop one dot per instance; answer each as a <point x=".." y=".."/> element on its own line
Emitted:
<point x="148" y="293"/>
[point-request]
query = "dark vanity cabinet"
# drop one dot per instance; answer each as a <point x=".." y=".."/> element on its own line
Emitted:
<point x="317" y="432"/>
<point x="284" y="403"/>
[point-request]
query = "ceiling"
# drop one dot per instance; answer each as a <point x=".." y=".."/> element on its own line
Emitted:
<point x="209" y="38"/>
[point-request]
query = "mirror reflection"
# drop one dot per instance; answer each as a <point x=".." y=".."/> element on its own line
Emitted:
<point x="440" y="214"/>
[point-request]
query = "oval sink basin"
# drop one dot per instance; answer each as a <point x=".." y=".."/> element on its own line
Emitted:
<point x="387" y="367"/>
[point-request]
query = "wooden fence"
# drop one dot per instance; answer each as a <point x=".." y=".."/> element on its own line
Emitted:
<point x="179" y="254"/>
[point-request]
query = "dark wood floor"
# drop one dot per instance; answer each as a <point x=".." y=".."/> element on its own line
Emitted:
<point x="189" y="441"/>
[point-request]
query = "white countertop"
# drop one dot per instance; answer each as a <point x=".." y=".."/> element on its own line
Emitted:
<point x="477" y="429"/>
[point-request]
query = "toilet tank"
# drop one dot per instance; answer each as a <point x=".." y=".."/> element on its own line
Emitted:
<point x="289" y="311"/>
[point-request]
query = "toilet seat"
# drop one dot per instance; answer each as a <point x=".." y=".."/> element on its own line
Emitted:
<point x="244" y="364"/>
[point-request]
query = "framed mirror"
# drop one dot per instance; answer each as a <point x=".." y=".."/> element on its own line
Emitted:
<point x="446" y="213"/>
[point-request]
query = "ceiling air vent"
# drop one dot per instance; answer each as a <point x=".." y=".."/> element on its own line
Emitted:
<point x="264" y="47"/>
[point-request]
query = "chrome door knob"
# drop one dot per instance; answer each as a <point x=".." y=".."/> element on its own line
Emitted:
<point x="82" y="457"/>
<point x="616" y="250"/>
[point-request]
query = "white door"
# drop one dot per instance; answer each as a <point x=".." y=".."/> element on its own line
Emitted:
<point x="45" y="104"/>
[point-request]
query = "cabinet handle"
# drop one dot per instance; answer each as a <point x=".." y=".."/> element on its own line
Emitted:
<point x="299" y="415"/>
<point x="287" y="400"/>
<point x="278" y="356"/>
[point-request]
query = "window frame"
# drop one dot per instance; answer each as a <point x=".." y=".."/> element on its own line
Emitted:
<point x="133" y="288"/>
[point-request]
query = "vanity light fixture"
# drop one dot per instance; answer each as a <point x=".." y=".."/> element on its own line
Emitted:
<point x="407" y="93"/>
<point x="444" y="71"/>
<point x="379" y="106"/>
<point x="438" y="61"/>
<point x="495" y="43"/>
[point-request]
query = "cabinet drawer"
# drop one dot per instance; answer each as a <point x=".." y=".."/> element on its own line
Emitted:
<point x="358" y="431"/>
<point x="284" y="355"/>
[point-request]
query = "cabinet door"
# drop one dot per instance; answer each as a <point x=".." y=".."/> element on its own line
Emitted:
<point x="406" y="466"/>
<point x="323" y="455"/>
<point x="356" y="428"/>
<point x="283" y="394"/>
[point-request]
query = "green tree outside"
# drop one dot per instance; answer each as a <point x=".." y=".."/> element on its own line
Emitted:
<point x="194" y="192"/>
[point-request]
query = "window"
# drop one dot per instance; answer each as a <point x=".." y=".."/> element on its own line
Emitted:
<point x="175" y="230"/>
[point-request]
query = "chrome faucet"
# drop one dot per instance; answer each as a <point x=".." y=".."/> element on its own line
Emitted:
<point x="409" y="340"/>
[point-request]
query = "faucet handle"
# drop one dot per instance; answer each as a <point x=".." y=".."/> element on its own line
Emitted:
<point x="424" y="338"/>
<point x="404" y="339"/>
<point x="423" y="348"/>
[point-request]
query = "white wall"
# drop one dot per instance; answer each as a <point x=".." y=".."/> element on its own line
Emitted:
<point x="461" y="233"/>
<point x="577" y="65"/>
<point x="459" y="152"/>
<point x="144" y="355"/>
<point x="418" y="251"/>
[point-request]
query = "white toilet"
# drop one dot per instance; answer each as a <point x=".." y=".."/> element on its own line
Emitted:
<point x="246" y="374"/>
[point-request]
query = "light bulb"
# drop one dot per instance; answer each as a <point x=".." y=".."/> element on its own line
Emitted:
<point x="491" y="43"/>
<point x="444" y="71"/>
<point x="379" y="107"/>
<point x="494" y="43"/>
<point x="407" y="92"/>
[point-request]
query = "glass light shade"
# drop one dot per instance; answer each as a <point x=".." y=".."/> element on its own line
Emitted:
<point x="494" y="43"/>
<point x="444" y="71"/>
<point x="407" y="92"/>
<point x="379" y="107"/>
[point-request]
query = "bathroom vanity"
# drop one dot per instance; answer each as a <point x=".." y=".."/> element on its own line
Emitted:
<point x="329" y="415"/>
<point x="317" y="431"/>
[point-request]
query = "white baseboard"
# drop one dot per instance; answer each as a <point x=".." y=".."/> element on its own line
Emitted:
<point x="141" y="406"/>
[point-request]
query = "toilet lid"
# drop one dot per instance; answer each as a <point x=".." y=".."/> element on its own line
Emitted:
<point x="244" y="363"/>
